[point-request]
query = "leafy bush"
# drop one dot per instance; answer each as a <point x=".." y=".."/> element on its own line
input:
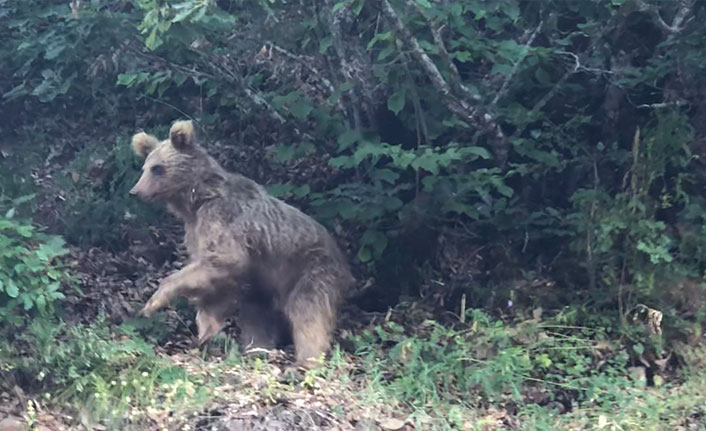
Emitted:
<point x="112" y="372"/>
<point x="31" y="276"/>
<point x="509" y="125"/>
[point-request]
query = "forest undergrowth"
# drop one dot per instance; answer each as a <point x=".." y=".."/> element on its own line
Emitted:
<point x="518" y="186"/>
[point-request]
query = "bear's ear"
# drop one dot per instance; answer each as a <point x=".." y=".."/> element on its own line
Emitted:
<point x="182" y="135"/>
<point x="143" y="144"/>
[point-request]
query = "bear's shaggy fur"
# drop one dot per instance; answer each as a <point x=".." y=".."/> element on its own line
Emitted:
<point x="246" y="248"/>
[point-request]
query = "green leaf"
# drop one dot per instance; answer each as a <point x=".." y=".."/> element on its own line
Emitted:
<point x="378" y="37"/>
<point x="54" y="50"/>
<point x="542" y="76"/>
<point x="25" y="230"/>
<point x="55" y="246"/>
<point x="429" y="161"/>
<point x="325" y="44"/>
<point x="396" y="102"/>
<point x="126" y="79"/>
<point x="638" y="348"/>
<point x="41" y="302"/>
<point x="56" y="295"/>
<point x="386" y="52"/>
<point x="27" y="301"/>
<point x="477" y="151"/>
<point x="462" y="56"/>
<point x="347" y="138"/>
<point x="423" y="3"/>
<point x="342" y="162"/>
<point x="302" y="191"/>
<point x="339" y="5"/>
<point x="280" y="190"/>
<point x="10" y="213"/>
<point x="385" y="175"/>
<point x="285" y="153"/>
<point x="502" y="188"/>
<point x="187" y="10"/>
<point x="11" y="289"/>
<point x="364" y="254"/>
<point x="358" y="6"/>
<point x="301" y="108"/>
<point x="153" y="41"/>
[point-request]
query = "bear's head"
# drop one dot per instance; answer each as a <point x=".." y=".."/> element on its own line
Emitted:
<point x="172" y="167"/>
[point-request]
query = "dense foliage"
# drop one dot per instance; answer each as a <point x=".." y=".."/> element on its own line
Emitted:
<point x="491" y="141"/>
<point x="509" y="155"/>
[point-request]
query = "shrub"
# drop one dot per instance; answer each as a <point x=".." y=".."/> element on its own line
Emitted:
<point x="30" y="274"/>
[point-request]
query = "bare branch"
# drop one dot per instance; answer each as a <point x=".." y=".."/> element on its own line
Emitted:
<point x="662" y="105"/>
<point x="460" y="105"/>
<point x="577" y="66"/>
<point x="525" y="50"/>
<point x="217" y="71"/>
<point x="685" y="7"/>
<point x="354" y="64"/>
<point x="305" y="63"/>
<point x="454" y="76"/>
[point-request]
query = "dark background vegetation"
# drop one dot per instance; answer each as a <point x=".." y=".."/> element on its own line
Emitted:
<point x="505" y="155"/>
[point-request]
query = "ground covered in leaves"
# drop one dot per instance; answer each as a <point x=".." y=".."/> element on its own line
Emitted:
<point x="413" y="367"/>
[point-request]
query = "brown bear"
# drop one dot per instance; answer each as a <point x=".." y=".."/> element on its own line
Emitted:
<point x="246" y="249"/>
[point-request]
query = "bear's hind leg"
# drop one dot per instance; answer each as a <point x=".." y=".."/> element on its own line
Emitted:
<point x="311" y="309"/>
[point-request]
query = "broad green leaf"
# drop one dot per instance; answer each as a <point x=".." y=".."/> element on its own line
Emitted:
<point x="153" y="41"/>
<point x="396" y="102"/>
<point x="542" y="76"/>
<point x="54" y="50"/>
<point x="301" y="108"/>
<point x="285" y="153"/>
<point x="462" y="56"/>
<point x="25" y="230"/>
<point x="428" y="161"/>
<point x="378" y="37"/>
<point x="41" y="302"/>
<point x="11" y="289"/>
<point x="477" y="151"/>
<point x="301" y="191"/>
<point x="385" y="175"/>
<point x="364" y="254"/>
<point x="187" y="9"/>
<point x="358" y="6"/>
<point x="347" y="138"/>
<point x="126" y="79"/>
<point x="325" y="44"/>
<point x="342" y="162"/>
<point x="339" y="5"/>
<point x="376" y="239"/>
<point x="27" y="301"/>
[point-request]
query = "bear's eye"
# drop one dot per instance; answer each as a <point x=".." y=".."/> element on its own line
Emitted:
<point x="157" y="169"/>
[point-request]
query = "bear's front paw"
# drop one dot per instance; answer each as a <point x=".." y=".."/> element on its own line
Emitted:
<point x="154" y="304"/>
<point x="146" y="312"/>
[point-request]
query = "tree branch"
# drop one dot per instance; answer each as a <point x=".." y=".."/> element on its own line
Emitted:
<point x="461" y="105"/>
<point x="577" y="66"/>
<point x="525" y="50"/>
<point x="685" y="7"/>
<point x="354" y="65"/>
